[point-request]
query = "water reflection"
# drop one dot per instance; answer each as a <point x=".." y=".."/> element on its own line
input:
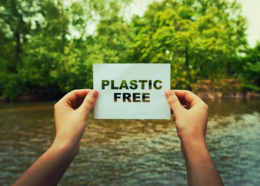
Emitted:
<point x="133" y="152"/>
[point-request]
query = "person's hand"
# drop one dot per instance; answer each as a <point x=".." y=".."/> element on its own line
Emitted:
<point x="70" y="117"/>
<point x="191" y="124"/>
<point x="191" y="120"/>
<point x="70" y="120"/>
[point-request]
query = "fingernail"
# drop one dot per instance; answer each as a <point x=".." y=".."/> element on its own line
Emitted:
<point x="94" y="93"/>
<point x="169" y="93"/>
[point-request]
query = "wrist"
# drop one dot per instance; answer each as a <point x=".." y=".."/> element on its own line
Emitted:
<point x="66" y="147"/>
<point x="194" y="148"/>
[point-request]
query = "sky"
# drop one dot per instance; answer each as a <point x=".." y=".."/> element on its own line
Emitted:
<point x="251" y="10"/>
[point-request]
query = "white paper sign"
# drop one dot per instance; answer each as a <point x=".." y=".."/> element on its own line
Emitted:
<point x="131" y="91"/>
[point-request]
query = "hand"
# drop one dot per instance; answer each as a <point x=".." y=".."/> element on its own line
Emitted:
<point x="191" y="121"/>
<point x="70" y="120"/>
<point x="191" y="124"/>
<point x="70" y="117"/>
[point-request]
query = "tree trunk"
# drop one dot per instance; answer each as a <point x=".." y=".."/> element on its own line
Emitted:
<point x="187" y="64"/>
<point x="17" y="51"/>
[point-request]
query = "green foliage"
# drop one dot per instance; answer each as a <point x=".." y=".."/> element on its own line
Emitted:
<point x="249" y="70"/>
<point x="197" y="38"/>
<point x="9" y="85"/>
<point x="39" y="51"/>
<point x="45" y="44"/>
<point x="114" y="36"/>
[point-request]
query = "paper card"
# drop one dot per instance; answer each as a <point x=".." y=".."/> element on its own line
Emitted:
<point x="131" y="91"/>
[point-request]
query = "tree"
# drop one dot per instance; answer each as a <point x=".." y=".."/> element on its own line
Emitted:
<point x="114" y="37"/>
<point x="15" y="27"/>
<point x="249" y="68"/>
<point x="197" y="37"/>
<point x="16" y="21"/>
<point x="45" y="43"/>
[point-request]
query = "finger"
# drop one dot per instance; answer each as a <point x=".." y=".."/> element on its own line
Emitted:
<point x="186" y="96"/>
<point x="72" y="97"/>
<point x="173" y="102"/>
<point x="89" y="101"/>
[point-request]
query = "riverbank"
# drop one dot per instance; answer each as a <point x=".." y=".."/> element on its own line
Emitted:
<point x="224" y="88"/>
<point x="205" y="89"/>
<point x="38" y="94"/>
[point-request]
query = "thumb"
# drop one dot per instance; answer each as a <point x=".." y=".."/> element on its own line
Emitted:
<point x="89" y="101"/>
<point x="173" y="101"/>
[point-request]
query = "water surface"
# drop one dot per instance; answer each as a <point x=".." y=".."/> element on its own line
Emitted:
<point x="133" y="152"/>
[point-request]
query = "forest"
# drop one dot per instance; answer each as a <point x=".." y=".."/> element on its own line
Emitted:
<point x="45" y="44"/>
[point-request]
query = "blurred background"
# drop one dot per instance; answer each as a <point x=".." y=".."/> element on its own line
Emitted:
<point x="48" y="47"/>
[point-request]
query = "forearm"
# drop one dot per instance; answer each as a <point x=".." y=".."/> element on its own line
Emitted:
<point x="50" y="167"/>
<point x="201" y="169"/>
<point x="70" y="121"/>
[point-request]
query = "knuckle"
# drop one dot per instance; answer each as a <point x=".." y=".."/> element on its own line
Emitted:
<point x="73" y="91"/>
<point x="56" y="106"/>
<point x="172" y="101"/>
<point x="188" y="93"/>
<point x="90" y="102"/>
<point x="206" y="107"/>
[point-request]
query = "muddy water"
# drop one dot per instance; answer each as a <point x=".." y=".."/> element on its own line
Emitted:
<point x="133" y="152"/>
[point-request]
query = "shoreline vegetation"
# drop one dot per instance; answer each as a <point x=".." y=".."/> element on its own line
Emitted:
<point x="205" y="89"/>
<point x="46" y="49"/>
<point x="224" y="88"/>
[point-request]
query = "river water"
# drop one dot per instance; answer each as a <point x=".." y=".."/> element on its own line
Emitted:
<point x="133" y="152"/>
